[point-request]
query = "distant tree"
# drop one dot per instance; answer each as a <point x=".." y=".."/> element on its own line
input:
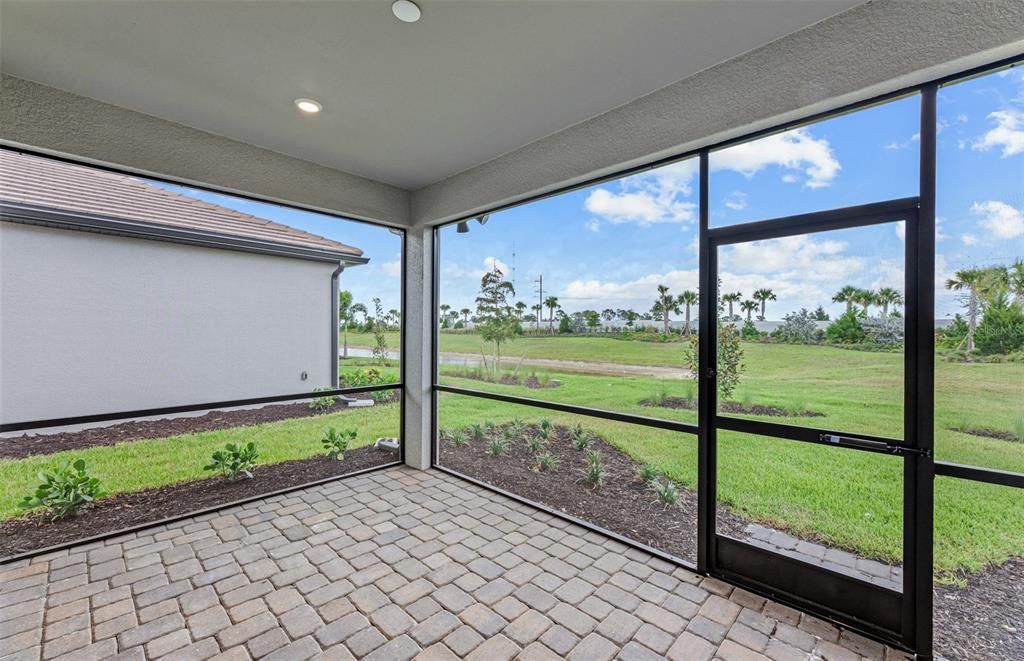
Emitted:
<point x="444" y="314"/>
<point x="345" y="316"/>
<point x="380" y="327"/>
<point x="867" y="298"/>
<point x="360" y="309"/>
<point x="664" y="306"/>
<point x="887" y="296"/>
<point x="847" y="329"/>
<point x="687" y="300"/>
<point x="798" y="327"/>
<point x="520" y="309"/>
<point x="763" y="296"/>
<point x="730" y="299"/>
<point x="848" y="295"/>
<point x="1015" y="279"/>
<point x="608" y="315"/>
<point x="628" y="316"/>
<point x="394" y="318"/>
<point x="819" y="314"/>
<point x="538" y="314"/>
<point x="592" y="318"/>
<point x="496" y="319"/>
<point x="749" y="307"/>
<point x="465" y="312"/>
<point x="1001" y="330"/>
<point x="969" y="281"/>
<point x="551" y="303"/>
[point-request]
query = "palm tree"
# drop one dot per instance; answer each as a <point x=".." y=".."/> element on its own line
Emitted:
<point x="763" y="296"/>
<point x="520" y="309"/>
<point x="537" y="308"/>
<point x="867" y="298"/>
<point x="749" y="307"/>
<point x="1015" y="276"/>
<point x="734" y="297"/>
<point x="551" y="303"/>
<point x="444" y="314"/>
<point x="359" y="308"/>
<point x="887" y="296"/>
<point x="687" y="299"/>
<point x="465" y="312"/>
<point x="847" y="295"/>
<point x="971" y="281"/>
<point x="664" y="306"/>
<point x="345" y="315"/>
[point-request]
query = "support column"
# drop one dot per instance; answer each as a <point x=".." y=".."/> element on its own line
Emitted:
<point x="418" y="320"/>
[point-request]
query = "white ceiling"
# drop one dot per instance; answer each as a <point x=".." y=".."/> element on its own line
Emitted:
<point x="405" y="104"/>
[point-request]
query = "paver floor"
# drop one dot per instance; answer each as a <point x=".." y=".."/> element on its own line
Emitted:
<point x="391" y="565"/>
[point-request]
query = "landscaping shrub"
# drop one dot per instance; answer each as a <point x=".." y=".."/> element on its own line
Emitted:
<point x="885" y="331"/>
<point x="1001" y="330"/>
<point x="750" y="331"/>
<point x="667" y="492"/>
<point x="798" y="327"/>
<point x="580" y="438"/>
<point x="594" y="472"/>
<point x="336" y="442"/>
<point x="847" y="329"/>
<point x="64" y="491"/>
<point x="730" y="358"/>
<point x="648" y="473"/>
<point x="234" y="460"/>
<point x="322" y="404"/>
<point x="953" y="336"/>
<point x="547" y="462"/>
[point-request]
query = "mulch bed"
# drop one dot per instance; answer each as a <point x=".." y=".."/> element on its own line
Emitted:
<point x="531" y="381"/>
<point x="34" y="531"/>
<point x="624" y="505"/>
<point x="985" y="432"/>
<point x="19" y="447"/>
<point x="732" y="407"/>
<point x="983" y="621"/>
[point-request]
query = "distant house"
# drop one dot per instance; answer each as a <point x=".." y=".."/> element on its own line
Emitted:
<point x="119" y="295"/>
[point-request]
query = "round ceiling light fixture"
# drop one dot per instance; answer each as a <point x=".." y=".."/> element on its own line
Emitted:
<point x="310" y="106"/>
<point x="406" y="11"/>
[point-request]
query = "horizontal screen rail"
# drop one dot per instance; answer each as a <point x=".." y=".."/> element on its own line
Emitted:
<point x="643" y="420"/>
<point x="187" y="408"/>
<point x="818" y="221"/>
<point x="978" y="474"/>
<point x="817" y="436"/>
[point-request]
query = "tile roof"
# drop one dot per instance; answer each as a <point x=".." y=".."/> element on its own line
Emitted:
<point x="48" y="183"/>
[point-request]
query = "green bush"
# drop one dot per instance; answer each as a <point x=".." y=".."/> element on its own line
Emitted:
<point x="730" y="358"/>
<point x="65" y="490"/>
<point x="234" y="460"/>
<point x="954" y="335"/>
<point x="322" y="404"/>
<point x="750" y="331"/>
<point x="847" y="329"/>
<point x="1001" y="330"/>
<point x="336" y="442"/>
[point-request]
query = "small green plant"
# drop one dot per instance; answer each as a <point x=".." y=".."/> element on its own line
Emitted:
<point x="648" y="473"/>
<point x="1018" y="428"/>
<point x="536" y="443"/>
<point x="477" y="431"/>
<point x="234" y="460"/>
<point x="497" y="446"/>
<point x="661" y="396"/>
<point x="64" y="490"/>
<point x="667" y="492"/>
<point x="580" y="438"/>
<point x="595" y="471"/>
<point x="546" y="426"/>
<point x="336" y="442"/>
<point x="322" y="404"/>
<point x="547" y="462"/>
<point x="517" y="426"/>
<point x="459" y="438"/>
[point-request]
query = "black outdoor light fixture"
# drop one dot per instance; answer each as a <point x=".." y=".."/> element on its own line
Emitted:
<point x="463" y="226"/>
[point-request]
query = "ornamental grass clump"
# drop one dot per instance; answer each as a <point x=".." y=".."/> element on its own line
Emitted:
<point x="580" y="438"/>
<point x="594" y="472"/>
<point x="547" y="462"/>
<point x="648" y="473"/>
<point x="234" y="460"/>
<point x="64" y="490"/>
<point x="667" y="492"/>
<point x="497" y="446"/>
<point x="536" y="443"/>
<point x="336" y="442"/>
<point x="459" y="438"/>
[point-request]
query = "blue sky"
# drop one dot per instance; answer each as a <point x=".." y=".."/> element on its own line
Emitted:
<point x="611" y="245"/>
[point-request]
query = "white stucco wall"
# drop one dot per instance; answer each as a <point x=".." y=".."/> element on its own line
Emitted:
<point x="91" y="323"/>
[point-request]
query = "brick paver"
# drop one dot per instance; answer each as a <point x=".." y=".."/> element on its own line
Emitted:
<point x="396" y="564"/>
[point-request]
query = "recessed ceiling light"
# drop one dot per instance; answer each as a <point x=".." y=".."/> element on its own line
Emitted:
<point x="406" y="10"/>
<point x="311" y="106"/>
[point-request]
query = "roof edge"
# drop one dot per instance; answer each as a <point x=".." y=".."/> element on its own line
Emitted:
<point x="112" y="225"/>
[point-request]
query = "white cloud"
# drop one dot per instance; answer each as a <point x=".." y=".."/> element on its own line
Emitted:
<point x="737" y="201"/>
<point x="650" y="198"/>
<point x="790" y="179"/>
<point x="490" y="263"/>
<point x="1007" y="135"/>
<point x="793" y="150"/>
<point x="968" y="239"/>
<point x="594" y="225"/>
<point x="392" y="268"/>
<point x="999" y="218"/>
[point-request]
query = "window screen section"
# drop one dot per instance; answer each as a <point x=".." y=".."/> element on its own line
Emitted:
<point x="588" y="298"/>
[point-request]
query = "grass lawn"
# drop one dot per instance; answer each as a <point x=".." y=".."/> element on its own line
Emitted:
<point x="142" y="464"/>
